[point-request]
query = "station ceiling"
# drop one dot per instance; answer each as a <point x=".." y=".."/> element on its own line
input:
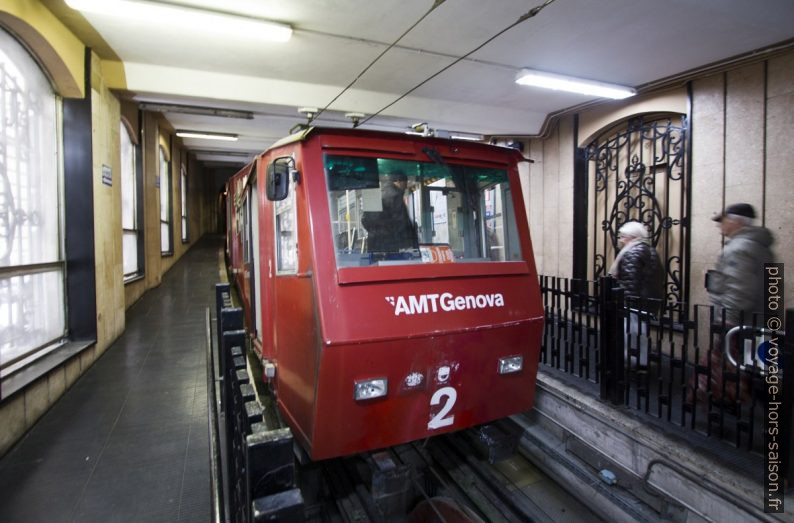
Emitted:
<point x="637" y="43"/>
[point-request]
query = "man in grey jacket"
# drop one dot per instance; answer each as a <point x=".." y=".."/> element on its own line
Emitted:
<point x="735" y="286"/>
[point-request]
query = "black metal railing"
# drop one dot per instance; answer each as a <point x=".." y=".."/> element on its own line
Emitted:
<point x="216" y="477"/>
<point x="259" y="468"/>
<point x="693" y="366"/>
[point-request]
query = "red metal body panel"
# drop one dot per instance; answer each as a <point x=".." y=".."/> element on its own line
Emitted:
<point x="403" y="415"/>
<point x="426" y="328"/>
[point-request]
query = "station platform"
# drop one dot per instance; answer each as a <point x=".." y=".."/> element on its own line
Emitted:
<point x="129" y="440"/>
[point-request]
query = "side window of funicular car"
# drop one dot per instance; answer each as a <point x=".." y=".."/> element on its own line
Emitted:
<point x="386" y="212"/>
<point x="286" y="236"/>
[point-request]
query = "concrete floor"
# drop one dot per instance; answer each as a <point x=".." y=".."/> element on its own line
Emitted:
<point x="128" y="441"/>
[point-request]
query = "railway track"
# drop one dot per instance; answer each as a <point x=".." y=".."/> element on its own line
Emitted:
<point x="444" y="479"/>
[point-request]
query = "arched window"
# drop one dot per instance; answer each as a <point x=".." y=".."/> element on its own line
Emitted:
<point x="637" y="170"/>
<point x="32" y="307"/>
<point x="166" y="233"/>
<point x="130" y="222"/>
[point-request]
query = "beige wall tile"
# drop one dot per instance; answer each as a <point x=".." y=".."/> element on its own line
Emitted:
<point x="565" y="147"/>
<point x="565" y="248"/>
<point x="698" y="294"/>
<point x="708" y="94"/>
<point x="12" y="421"/>
<point x="780" y="122"/>
<point x="551" y="203"/>
<point x="87" y="358"/>
<point x="706" y="240"/>
<point x="780" y="215"/>
<point x="523" y="176"/>
<point x="57" y="383"/>
<point x="779" y="210"/>
<point x="72" y="371"/>
<point x="536" y="203"/>
<point x="708" y="141"/>
<point x="744" y="143"/>
<point x="37" y="400"/>
<point x="781" y="75"/>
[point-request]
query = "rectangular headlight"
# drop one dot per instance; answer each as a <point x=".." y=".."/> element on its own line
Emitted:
<point x="510" y="364"/>
<point x="371" y="389"/>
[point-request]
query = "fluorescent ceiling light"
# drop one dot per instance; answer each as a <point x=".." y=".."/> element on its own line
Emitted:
<point x="207" y="135"/>
<point x="571" y="84"/>
<point x="196" y="109"/>
<point x="184" y="16"/>
<point x="220" y="152"/>
<point x="466" y="136"/>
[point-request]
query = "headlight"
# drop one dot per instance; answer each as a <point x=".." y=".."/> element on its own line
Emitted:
<point x="510" y="364"/>
<point x="370" y="389"/>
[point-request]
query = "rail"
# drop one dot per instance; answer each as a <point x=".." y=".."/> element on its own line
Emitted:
<point x="216" y="478"/>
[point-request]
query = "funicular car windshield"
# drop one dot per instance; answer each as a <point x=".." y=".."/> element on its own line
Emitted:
<point x="389" y="212"/>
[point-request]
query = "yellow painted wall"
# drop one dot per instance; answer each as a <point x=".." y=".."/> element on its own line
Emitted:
<point x="60" y="51"/>
<point x="62" y="55"/>
<point x="105" y="116"/>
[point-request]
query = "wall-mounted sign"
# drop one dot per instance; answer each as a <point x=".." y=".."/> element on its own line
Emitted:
<point x="107" y="175"/>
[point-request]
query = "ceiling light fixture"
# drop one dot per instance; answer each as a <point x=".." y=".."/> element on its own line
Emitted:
<point x="221" y="152"/>
<point x="455" y="135"/>
<point x="571" y="84"/>
<point x="196" y="109"/>
<point x="184" y="16"/>
<point x="207" y="135"/>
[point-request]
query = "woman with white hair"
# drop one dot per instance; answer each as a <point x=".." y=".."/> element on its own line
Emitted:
<point x="638" y="271"/>
<point x="637" y="267"/>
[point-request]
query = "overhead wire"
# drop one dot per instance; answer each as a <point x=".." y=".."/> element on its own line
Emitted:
<point x="526" y="16"/>
<point x="436" y="3"/>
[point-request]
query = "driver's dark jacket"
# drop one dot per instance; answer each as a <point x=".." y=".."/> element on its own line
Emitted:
<point x="390" y="229"/>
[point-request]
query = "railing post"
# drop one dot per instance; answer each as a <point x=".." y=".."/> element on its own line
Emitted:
<point x="611" y="366"/>
<point x="231" y="340"/>
<point x="222" y="301"/>
<point x="229" y="319"/>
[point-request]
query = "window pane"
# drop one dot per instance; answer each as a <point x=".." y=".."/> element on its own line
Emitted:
<point x="286" y="235"/>
<point x="183" y="194"/>
<point x="28" y="160"/>
<point x="165" y="203"/>
<point x="130" y="249"/>
<point x="165" y="239"/>
<point x="128" y="192"/>
<point x="31" y="305"/>
<point x="386" y="212"/>
<point x="31" y="312"/>
<point x="165" y="188"/>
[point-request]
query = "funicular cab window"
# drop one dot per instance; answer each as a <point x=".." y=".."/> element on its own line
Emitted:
<point x="390" y="212"/>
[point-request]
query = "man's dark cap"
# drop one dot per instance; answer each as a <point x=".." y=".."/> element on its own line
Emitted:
<point x="398" y="176"/>
<point x="737" y="209"/>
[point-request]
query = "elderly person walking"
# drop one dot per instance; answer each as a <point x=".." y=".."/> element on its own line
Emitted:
<point x="737" y="282"/>
<point x="736" y="289"/>
<point x="639" y="273"/>
<point x="637" y="267"/>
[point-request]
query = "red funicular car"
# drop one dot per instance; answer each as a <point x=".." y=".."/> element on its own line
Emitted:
<point x="390" y="285"/>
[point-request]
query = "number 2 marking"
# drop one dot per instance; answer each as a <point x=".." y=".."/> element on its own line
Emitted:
<point x="439" y="420"/>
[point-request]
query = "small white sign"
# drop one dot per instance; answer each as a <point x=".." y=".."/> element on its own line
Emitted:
<point x="107" y="175"/>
